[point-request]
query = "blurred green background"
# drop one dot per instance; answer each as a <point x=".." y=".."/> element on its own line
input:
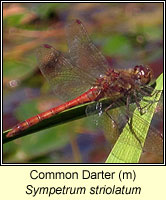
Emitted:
<point x="126" y="33"/>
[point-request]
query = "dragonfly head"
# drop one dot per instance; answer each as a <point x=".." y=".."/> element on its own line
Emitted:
<point x="143" y="74"/>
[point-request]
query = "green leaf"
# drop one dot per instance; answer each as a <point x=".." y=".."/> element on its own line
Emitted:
<point x="18" y="68"/>
<point x="13" y="20"/>
<point x="117" y="45"/>
<point x="129" y="152"/>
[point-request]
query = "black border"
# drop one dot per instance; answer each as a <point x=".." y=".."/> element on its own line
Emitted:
<point x="86" y="164"/>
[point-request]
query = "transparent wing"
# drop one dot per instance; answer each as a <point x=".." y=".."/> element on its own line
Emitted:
<point x="65" y="79"/>
<point x="154" y="140"/>
<point x="83" y="52"/>
<point x="113" y="125"/>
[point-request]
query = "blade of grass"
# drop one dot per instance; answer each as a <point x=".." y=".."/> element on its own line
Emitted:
<point x="124" y="152"/>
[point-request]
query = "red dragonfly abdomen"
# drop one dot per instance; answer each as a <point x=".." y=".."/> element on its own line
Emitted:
<point x="88" y="96"/>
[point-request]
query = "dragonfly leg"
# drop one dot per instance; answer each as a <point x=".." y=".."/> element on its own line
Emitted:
<point x="157" y="92"/>
<point x="133" y="132"/>
<point x="146" y="93"/>
<point x="106" y="111"/>
<point x="130" y="121"/>
<point x="141" y="109"/>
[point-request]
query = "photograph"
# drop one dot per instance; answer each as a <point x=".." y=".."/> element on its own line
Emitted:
<point x="83" y="83"/>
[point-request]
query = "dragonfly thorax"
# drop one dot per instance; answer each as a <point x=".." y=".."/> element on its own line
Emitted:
<point x="113" y="84"/>
<point x="117" y="83"/>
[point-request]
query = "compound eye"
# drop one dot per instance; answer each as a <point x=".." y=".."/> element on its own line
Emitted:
<point x="143" y="74"/>
<point x="140" y="70"/>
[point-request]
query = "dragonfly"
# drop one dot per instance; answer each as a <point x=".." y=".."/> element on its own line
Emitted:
<point x="85" y="76"/>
